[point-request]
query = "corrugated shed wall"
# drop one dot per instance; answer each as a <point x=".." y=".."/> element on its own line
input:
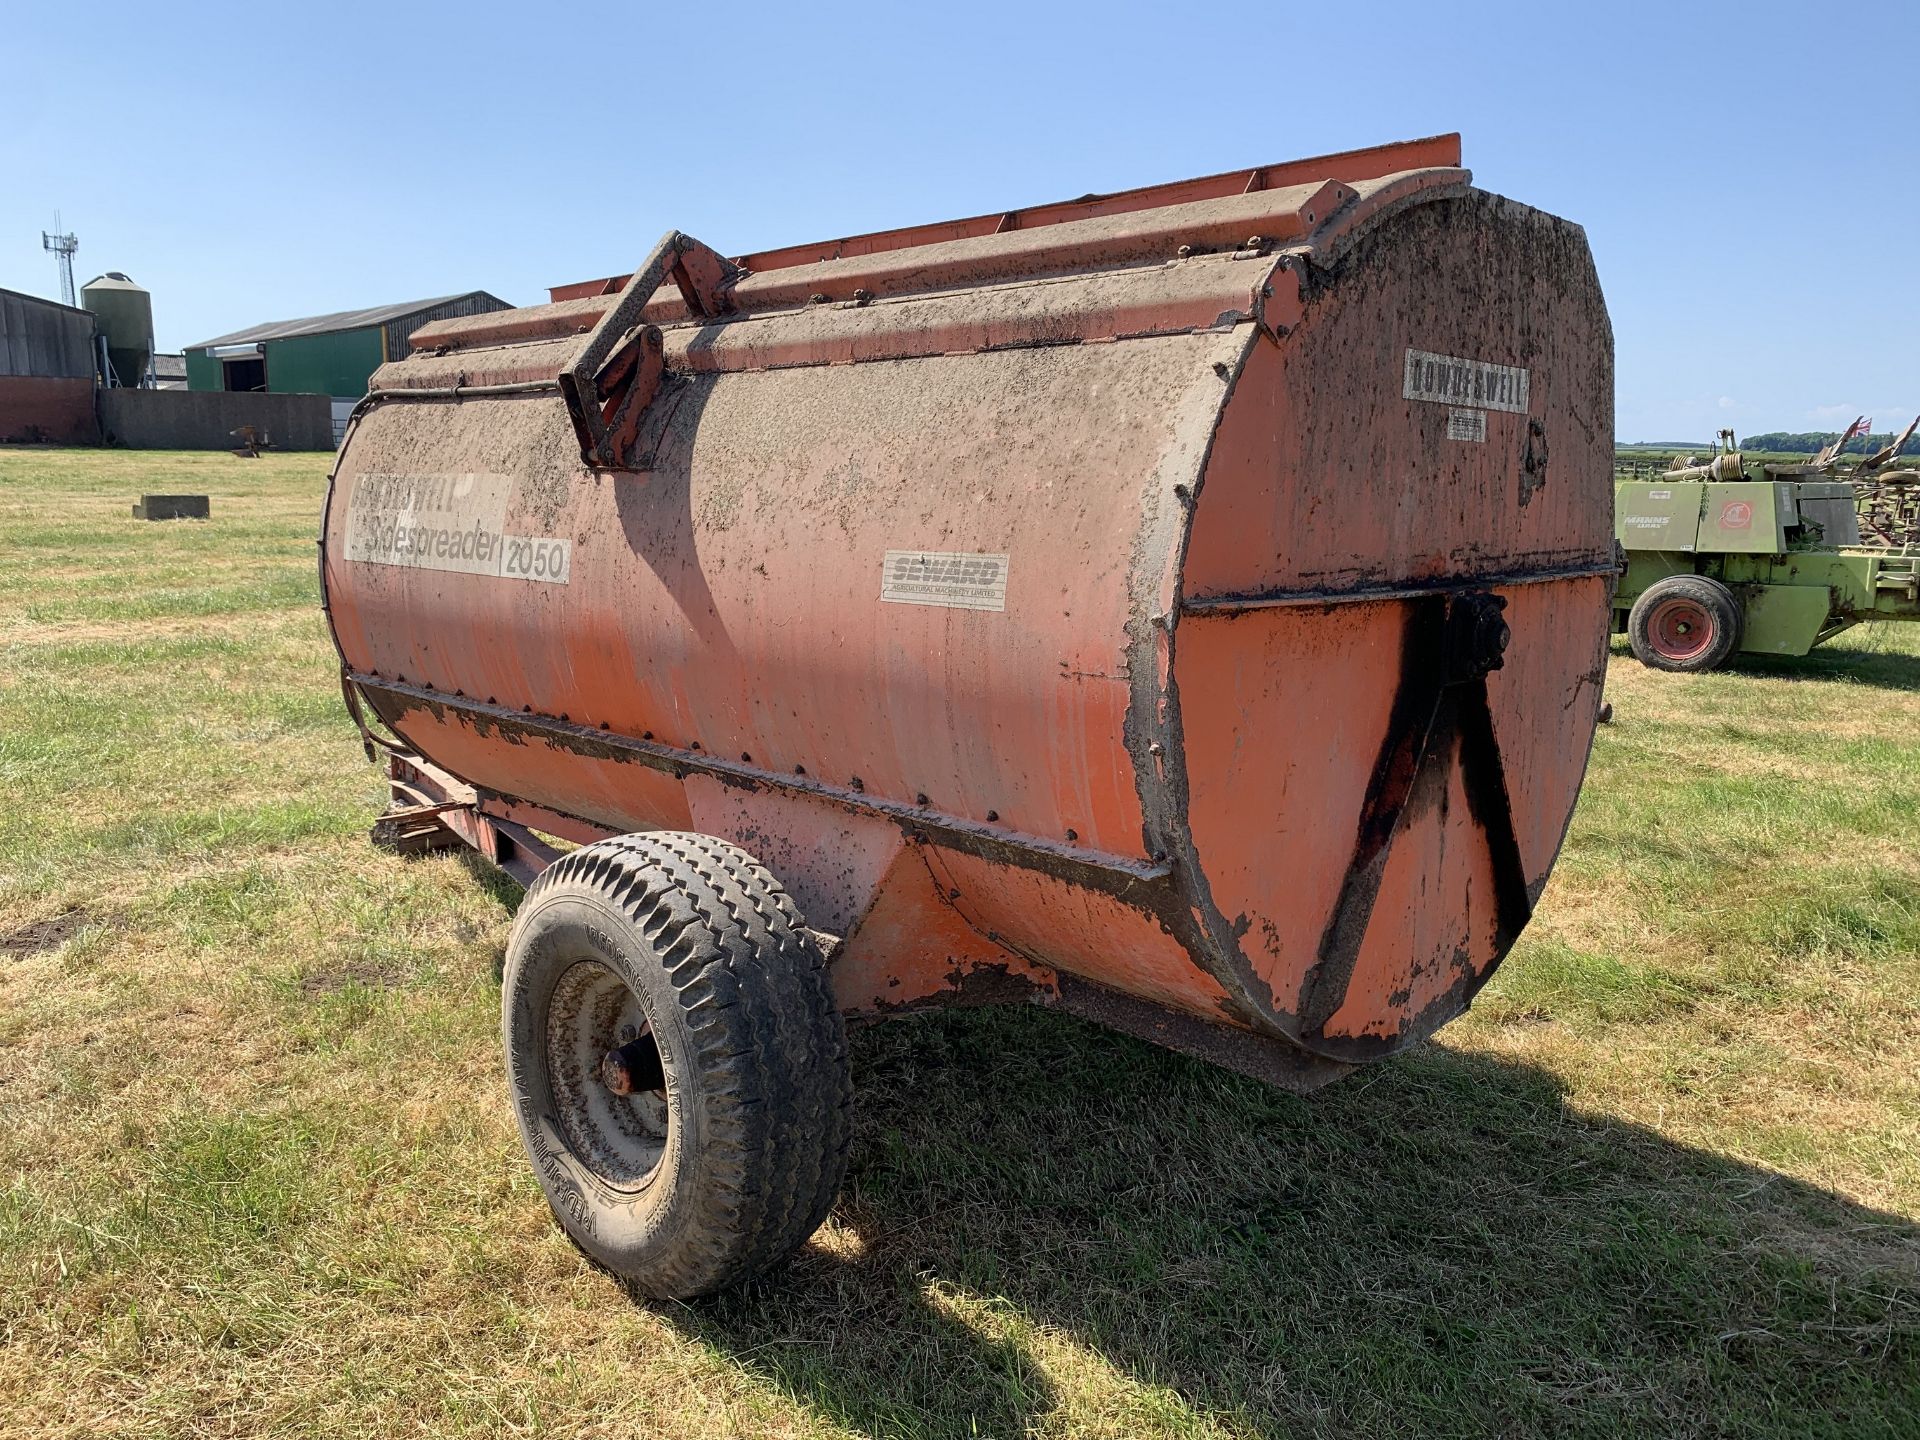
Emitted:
<point x="203" y="371"/>
<point x="39" y="337"/>
<point x="398" y="331"/>
<point x="337" y="363"/>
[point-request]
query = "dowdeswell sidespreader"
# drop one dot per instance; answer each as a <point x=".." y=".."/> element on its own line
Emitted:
<point x="1186" y="607"/>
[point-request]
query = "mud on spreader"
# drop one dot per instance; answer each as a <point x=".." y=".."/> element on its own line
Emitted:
<point x="1184" y="607"/>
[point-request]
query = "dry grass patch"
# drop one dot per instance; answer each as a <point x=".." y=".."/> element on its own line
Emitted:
<point x="258" y="1176"/>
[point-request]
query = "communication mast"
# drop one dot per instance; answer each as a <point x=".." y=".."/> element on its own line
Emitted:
<point x="62" y="245"/>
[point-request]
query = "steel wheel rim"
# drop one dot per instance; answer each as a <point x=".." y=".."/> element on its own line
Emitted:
<point x="620" y="1138"/>
<point x="1680" y="629"/>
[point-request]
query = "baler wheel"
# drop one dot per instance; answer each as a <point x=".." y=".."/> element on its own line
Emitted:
<point x="1686" y="623"/>
<point x="677" y="1065"/>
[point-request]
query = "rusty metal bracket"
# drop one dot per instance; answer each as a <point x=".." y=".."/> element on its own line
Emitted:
<point x="429" y="809"/>
<point x="369" y="737"/>
<point x="415" y="829"/>
<point x="616" y="375"/>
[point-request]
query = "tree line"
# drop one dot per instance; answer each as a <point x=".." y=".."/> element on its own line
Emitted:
<point x="1808" y="442"/>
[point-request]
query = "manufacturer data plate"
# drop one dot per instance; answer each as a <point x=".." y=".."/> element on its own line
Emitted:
<point x="955" y="579"/>
<point x="1467" y="425"/>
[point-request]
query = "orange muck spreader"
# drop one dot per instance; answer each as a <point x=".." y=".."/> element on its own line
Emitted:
<point x="1183" y="607"/>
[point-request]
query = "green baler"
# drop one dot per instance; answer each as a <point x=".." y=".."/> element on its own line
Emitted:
<point x="1718" y="562"/>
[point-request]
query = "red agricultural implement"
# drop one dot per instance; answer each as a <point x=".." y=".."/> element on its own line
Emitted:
<point x="1185" y="607"/>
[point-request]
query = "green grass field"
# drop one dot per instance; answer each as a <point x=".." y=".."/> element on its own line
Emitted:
<point x="258" y="1173"/>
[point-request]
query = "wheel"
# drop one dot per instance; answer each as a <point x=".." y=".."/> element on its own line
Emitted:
<point x="1685" y="622"/>
<point x="677" y="1066"/>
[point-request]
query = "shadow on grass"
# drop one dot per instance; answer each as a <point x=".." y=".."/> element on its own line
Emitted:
<point x="1882" y="669"/>
<point x="1056" y="1228"/>
<point x="496" y="884"/>
<point x="1861" y="659"/>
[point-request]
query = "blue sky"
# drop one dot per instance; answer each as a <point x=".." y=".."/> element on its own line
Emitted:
<point x="264" y="161"/>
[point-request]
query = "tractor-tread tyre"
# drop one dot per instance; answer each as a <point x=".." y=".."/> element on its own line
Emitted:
<point x="758" y="1091"/>
<point x="1700" y="596"/>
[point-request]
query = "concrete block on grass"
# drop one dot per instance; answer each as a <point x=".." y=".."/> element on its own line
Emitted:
<point x="171" y="507"/>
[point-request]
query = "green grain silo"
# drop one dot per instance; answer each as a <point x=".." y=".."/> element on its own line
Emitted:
<point x="125" y="313"/>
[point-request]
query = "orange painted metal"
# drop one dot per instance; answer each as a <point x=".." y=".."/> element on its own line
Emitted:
<point x="1187" y="607"/>
<point x="1437" y="152"/>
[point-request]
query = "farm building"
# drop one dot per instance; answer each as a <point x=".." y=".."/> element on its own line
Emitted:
<point x="46" y="371"/>
<point x="331" y="355"/>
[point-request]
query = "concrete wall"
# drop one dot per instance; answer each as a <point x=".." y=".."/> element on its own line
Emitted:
<point x="47" y="410"/>
<point x="205" y="420"/>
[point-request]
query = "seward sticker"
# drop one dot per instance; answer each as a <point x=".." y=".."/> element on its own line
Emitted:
<point x="1467" y="425"/>
<point x="955" y="579"/>
<point x="448" y="522"/>
<point x="1450" y="380"/>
